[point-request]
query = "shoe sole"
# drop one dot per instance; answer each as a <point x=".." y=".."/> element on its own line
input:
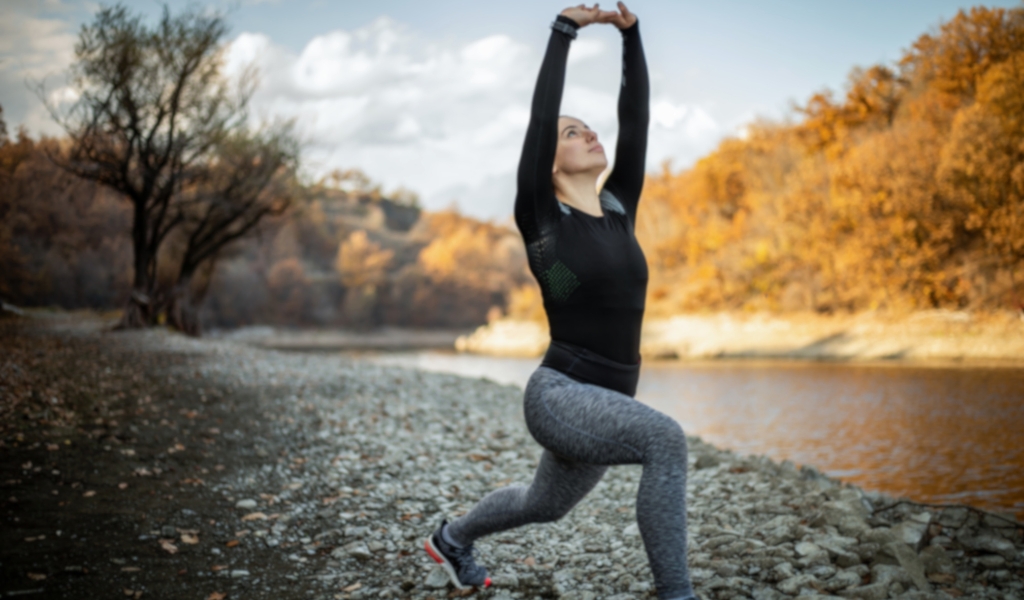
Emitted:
<point x="439" y="558"/>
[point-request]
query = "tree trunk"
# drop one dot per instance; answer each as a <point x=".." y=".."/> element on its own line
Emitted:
<point x="138" y="312"/>
<point x="182" y="309"/>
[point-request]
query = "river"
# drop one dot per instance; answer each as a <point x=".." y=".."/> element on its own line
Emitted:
<point x="938" y="434"/>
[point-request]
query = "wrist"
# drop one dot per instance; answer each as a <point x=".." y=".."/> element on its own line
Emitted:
<point x="565" y="25"/>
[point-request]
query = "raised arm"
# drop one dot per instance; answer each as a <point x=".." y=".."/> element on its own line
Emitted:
<point x="535" y="200"/>
<point x="627" y="177"/>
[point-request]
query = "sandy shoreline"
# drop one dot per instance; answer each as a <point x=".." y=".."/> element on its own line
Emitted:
<point x="937" y="336"/>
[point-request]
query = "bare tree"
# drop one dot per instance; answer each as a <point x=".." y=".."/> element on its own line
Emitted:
<point x="251" y="176"/>
<point x="152" y="108"/>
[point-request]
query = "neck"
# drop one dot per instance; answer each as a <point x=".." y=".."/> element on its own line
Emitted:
<point x="578" y="190"/>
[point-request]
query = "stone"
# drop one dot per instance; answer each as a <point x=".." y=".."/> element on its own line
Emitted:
<point x="936" y="560"/>
<point x="842" y="580"/>
<point x="783" y="570"/>
<point x="913" y="531"/>
<point x="912" y="565"/>
<point x="505" y="580"/>
<point x="875" y="591"/>
<point x="357" y="550"/>
<point x="239" y="573"/>
<point x="792" y="585"/>
<point x="631" y="530"/>
<point x="807" y="548"/>
<point x="988" y="543"/>
<point x="953" y="517"/>
<point x="437" y="579"/>
<point x="991" y="561"/>
<point x="247" y="504"/>
<point x="706" y="461"/>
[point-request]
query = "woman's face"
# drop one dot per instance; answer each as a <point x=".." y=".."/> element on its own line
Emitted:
<point x="578" y="149"/>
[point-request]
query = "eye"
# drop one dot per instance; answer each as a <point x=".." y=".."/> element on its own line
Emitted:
<point x="571" y="133"/>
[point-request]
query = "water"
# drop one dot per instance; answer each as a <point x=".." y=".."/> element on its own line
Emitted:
<point x="933" y="434"/>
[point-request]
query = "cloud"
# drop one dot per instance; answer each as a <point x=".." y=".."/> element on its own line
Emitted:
<point x="446" y="120"/>
<point x="33" y="49"/>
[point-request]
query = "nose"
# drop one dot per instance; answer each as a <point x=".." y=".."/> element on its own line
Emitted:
<point x="591" y="136"/>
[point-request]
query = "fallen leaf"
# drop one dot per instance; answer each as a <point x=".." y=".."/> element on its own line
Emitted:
<point x="942" y="578"/>
<point x="216" y="568"/>
<point x="122" y="486"/>
<point x="352" y="588"/>
<point x="128" y="592"/>
<point x="232" y="543"/>
<point x="89" y="494"/>
<point x="53" y="447"/>
<point x="529" y="560"/>
<point x="189" y="538"/>
<point x="130" y="569"/>
<point x="256" y="516"/>
<point x="36" y="576"/>
<point x="216" y="596"/>
<point x="169" y="546"/>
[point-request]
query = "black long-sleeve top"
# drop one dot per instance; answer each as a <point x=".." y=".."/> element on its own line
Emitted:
<point x="591" y="270"/>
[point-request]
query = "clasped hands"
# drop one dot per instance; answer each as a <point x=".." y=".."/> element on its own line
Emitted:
<point x="622" y="18"/>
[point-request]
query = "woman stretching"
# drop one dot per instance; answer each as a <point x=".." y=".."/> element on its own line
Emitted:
<point x="579" y="403"/>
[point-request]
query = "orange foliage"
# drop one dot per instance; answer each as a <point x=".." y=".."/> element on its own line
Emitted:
<point x="907" y="193"/>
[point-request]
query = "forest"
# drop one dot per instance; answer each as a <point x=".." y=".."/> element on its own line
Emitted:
<point x="902" y="192"/>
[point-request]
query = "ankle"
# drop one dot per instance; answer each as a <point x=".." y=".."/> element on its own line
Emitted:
<point x="449" y="539"/>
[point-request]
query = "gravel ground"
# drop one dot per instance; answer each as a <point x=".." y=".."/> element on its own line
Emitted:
<point x="147" y="464"/>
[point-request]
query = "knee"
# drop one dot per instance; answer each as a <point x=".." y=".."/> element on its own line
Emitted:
<point x="670" y="440"/>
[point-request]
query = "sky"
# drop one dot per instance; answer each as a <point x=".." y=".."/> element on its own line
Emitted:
<point x="434" y="96"/>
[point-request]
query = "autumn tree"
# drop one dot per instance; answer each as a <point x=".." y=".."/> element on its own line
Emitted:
<point x="152" y="107"/>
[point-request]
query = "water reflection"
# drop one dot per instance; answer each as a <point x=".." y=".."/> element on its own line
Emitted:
<point x="936" y="434"/>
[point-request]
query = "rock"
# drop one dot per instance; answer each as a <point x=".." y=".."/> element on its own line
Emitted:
<point x="991" y="561"/>
<point x="912" y="532"/>
<point x="842" y="580"/>
<point x="437" y="579"/>
<point x="357" y="550"/>
<point x="783" y="570"/>
<point x="807" y="548"/>
<point x="935" y="559"/>
<point x="875" y="591"/>
<point x="953" y="517"/>
<point x="239" y="573"/>
<point x="631" y="530"/>
<point x="168" y="531"/>
<point x="706" y="461"/>
<point x="247" y="503"/>
<point x="988" y="543"/>
<point x="912" y="565"/>
<point x="505" y="580"/>
<point x="889" y="573"/>
<point x="792" y="585"/>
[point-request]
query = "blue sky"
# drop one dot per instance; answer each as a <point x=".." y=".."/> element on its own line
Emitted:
<point x="433" y="96"/>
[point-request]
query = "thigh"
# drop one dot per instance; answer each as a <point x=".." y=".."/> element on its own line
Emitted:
<point x="591" y="424"/>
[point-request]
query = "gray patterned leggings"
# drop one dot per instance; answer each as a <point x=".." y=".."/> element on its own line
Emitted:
<point x="584" y="429"/>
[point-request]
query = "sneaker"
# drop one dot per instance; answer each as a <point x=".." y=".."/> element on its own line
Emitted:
<point x="457" y="562"/>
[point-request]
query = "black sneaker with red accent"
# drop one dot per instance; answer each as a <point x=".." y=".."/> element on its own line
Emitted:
<point x="457" y="562"/>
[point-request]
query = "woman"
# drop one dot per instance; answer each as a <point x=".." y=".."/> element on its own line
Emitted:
<point x="579" y="403"/>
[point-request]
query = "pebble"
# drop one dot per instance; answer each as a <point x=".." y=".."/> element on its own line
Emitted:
<point x="388" y="452"/>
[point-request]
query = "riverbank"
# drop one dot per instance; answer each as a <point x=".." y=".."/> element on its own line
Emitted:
<point x="924" y="336"/>
<point x="147" y="464"/>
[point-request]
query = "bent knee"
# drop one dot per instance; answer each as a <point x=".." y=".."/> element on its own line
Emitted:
<point x="669" y="438"/>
